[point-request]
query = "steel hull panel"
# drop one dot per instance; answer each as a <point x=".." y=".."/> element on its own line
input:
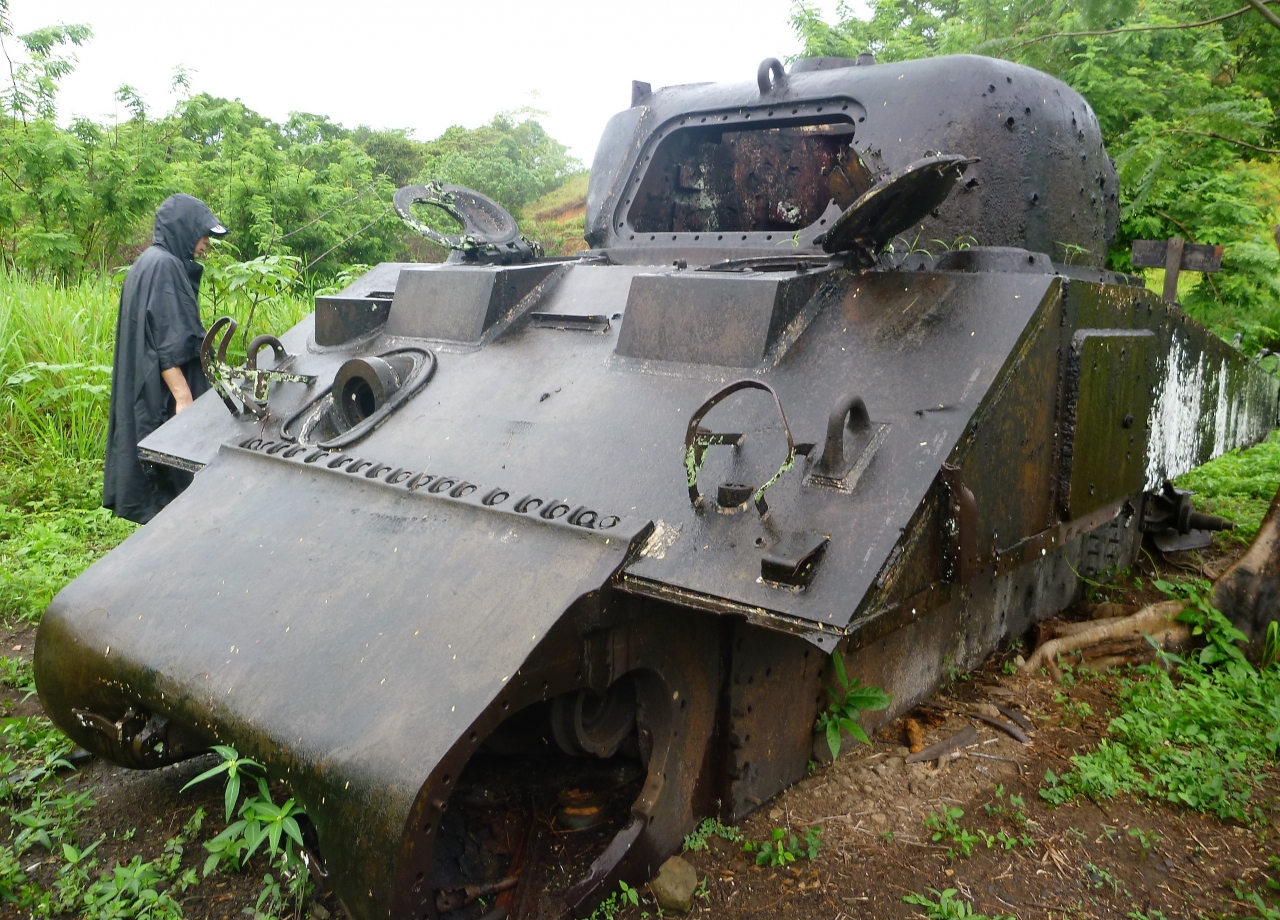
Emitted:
<point x="351" y="689"/>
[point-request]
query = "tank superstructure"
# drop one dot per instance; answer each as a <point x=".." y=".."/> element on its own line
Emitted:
<point x="506" y="525"/>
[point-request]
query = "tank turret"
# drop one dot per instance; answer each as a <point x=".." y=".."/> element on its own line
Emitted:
<point x="512" y="542"/>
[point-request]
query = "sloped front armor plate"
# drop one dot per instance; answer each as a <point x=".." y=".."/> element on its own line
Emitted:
<point x="353" y="687"/>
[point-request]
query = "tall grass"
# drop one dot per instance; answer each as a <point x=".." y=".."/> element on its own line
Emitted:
<point x="56" y="345"/>
<point x="55" y="366"/>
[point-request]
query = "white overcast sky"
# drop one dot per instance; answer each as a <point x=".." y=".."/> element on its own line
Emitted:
<point x="415" y="64"/>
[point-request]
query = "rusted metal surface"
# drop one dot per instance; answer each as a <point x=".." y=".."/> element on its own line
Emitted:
<point x="244" y="389"/>
<point x="551" y="561"/>
<point x="489" y="234"/>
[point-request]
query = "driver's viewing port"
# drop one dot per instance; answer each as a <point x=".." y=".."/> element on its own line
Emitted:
<point x="746" y="179"/>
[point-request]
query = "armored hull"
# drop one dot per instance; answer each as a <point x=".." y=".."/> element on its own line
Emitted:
<point x="602" y="522"/>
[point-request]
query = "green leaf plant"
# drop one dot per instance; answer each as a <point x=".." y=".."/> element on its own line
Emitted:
<point x="848" y="702"/>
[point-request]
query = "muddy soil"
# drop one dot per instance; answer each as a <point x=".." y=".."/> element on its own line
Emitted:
<point x="1079" y="860"/>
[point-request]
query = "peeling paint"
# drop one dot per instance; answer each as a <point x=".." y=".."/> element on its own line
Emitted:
<point x="1173" y="442"/>
<point x="1200" y="412"/>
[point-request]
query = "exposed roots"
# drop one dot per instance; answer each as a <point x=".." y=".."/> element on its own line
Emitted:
<point x="1154" y="620"/>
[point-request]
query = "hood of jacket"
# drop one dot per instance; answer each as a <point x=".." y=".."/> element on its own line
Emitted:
<point x="180" y="223"/>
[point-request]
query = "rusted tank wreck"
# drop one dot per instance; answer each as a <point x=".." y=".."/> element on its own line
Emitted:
<point x="510" y="542"/>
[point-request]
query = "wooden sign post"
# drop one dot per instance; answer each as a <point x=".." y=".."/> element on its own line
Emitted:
<point x="1175" y="255"/>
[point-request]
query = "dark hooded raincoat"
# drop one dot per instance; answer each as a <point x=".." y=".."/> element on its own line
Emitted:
<point x="158" y="328"/>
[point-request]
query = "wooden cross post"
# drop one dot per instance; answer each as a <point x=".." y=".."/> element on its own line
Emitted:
<point x="1176" y="255"/>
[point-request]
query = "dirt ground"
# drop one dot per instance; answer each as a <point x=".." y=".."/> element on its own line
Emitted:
<point x="1078" y="861"/>
<point x="1081" y="862"/>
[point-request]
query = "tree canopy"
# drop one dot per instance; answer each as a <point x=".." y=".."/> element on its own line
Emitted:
<point x="1188" y="96"/>
<point x="81" y="197"/>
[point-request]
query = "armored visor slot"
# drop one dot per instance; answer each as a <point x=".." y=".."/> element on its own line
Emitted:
<point x="718" y="175"/>
<point x="589" y="322"/>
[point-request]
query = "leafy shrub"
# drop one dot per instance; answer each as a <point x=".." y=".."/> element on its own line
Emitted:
<point x="1199" y="735"/>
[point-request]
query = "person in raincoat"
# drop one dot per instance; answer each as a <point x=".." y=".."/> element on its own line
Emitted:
<point x="156" y="373"/>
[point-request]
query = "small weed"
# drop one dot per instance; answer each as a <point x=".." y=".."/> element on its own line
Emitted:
<point x="261" y="821"/>
<point x="17" y="674"/>
<point x="234" y="766"/>
<point x="953" y="671"/>
<point x="132" y="889"/>
<point x="710" y="827"/>
<point x="1271" y="645"/>
<point x="1147" y="839"/>
<point x="1068" y="678"/>
<point x="1100" y="877"/>
<point x="618" y="901"/>
<point x="1265" y="911"/>
<point x="1004" y="840"/>
<point x="782" y="848"/>
<point x="1075" y="709"/>
<point x="948" y="906"/>
<point x="848" y="703"/>
<point x="1008" y="668"/>
<point x="946" y="826"/>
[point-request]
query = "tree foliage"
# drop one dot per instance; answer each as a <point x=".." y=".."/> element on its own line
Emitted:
<point x="1188" y="96"/>
<point x="81" y="198"/>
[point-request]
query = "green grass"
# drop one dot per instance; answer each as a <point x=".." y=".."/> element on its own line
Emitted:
<point x="1198" y="732"/>
<point x="570" y="195"/>
<point x="1198" y="738"/>
<point x="55" y="367"/>
<point x="1238" y="485"/>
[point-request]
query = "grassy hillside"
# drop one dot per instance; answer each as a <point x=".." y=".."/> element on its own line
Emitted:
<point x="557" y="218"/>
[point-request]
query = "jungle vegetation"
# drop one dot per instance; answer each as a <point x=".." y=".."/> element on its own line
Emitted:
<point x="1188" y="96"/>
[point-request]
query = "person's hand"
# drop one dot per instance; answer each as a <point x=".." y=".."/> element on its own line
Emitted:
<point x="180" y="403"/>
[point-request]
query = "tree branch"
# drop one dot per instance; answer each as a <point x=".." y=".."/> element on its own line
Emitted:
<point x="1260" y="5"/>
<point x="1229" y="140"/>
<point x="315" y="261"/>
<point x="321" y="217"/>
<point x="1179" y="224"/>
<point x="14" y="181"/>
<point x="13" y="78"/>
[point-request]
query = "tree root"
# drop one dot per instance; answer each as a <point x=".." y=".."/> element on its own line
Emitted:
<point x="1155" y="620"/>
